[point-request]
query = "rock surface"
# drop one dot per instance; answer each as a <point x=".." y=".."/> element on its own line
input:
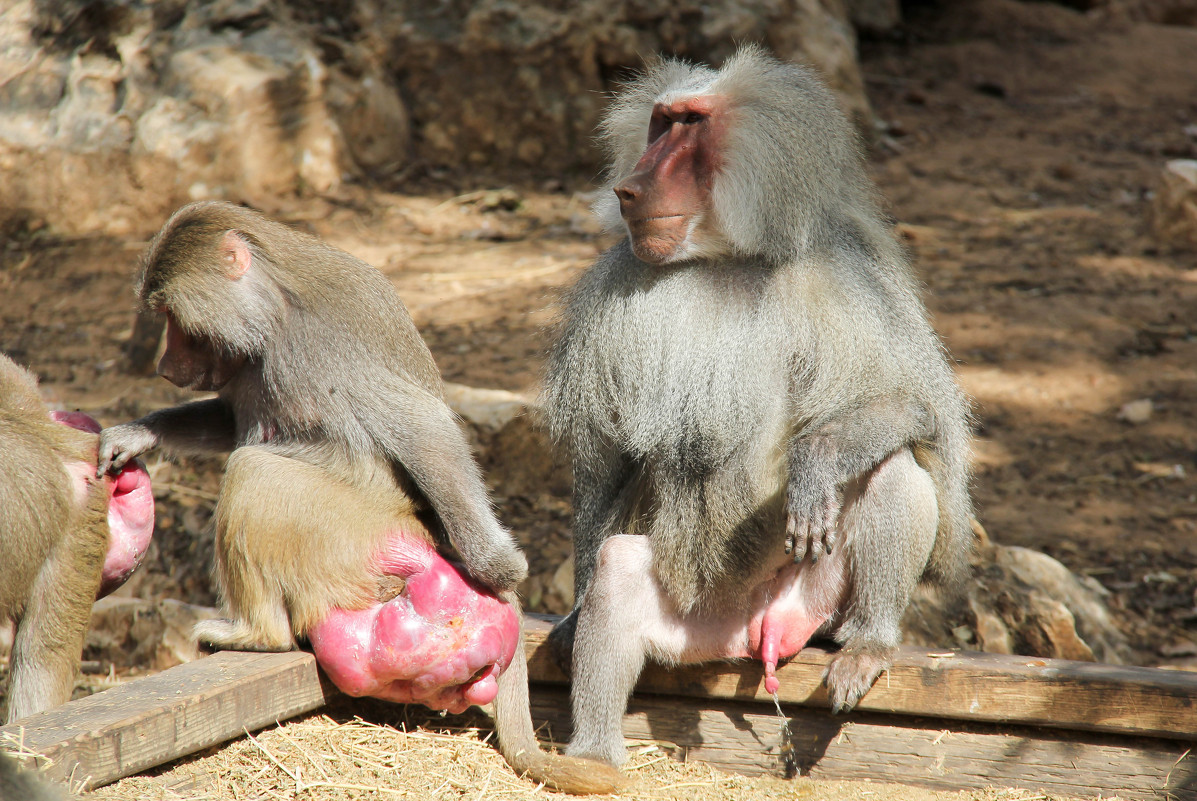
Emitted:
<point x="552" y="65"/>
<point x="1020" y="601"/>
<point x="134" y="632"/>
<point x="1174" y="208"/>
<point x="874" y="16"/>
<point x="112" y="114"/>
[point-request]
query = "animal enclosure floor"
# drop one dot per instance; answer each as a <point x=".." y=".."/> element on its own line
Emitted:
<point x="356" y="750"/>
<point x="1023" y="143"/>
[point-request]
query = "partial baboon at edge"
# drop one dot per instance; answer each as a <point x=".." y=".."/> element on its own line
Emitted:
<point x="66" y="538"/>
<point x="25" y="785"/>
<point x="767" y="440"/>
<point x="348" y="482"/>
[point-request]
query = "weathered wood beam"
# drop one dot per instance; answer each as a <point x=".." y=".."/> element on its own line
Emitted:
<point x="745" y="737"/>
<point x="965" y="720"/>
<point x="150" y="721"/>
<point x="967" y="686"/>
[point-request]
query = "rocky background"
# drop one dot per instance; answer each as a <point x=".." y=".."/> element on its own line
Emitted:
<point x="1038" y="155"/>
<point x="257" y="100"/>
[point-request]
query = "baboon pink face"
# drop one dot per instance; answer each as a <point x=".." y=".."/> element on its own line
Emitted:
<point x="441" y="642"/>
<point x="668" y="196"/>
<point x="192" y="362"/>
<point x="130" y="509"/>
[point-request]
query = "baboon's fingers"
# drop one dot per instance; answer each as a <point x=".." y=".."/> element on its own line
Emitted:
<point x="797" y="536"/>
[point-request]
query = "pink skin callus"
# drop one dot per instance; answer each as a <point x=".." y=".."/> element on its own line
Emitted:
<point x="130" y="510"/>
<point x="442" y="642"/>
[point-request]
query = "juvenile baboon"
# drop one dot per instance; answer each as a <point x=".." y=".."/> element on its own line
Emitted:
<point x="766" y="437"/>
<point x="65" y="538"/>
<point x="344" y="459"/>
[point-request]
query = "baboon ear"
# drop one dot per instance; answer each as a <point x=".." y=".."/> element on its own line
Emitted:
<point x="235" y="254"/>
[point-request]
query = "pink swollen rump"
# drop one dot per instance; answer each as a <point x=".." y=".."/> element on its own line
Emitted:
<point x="130" y="523"/>
<point x="130" y="511"/>
<point x="442" y="642"/>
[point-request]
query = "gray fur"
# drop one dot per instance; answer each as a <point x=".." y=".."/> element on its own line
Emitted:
<point x="26" y="785"/>
<point x="337" y="424"/>
<point x="334" y="361"/>
<point x="713" y="403"/>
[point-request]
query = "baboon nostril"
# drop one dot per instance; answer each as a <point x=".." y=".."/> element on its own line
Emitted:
<point x="629" y="190"/>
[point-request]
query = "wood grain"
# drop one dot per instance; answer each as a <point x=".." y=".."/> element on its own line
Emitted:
<point x="967" y="686"/>
<point x="150" y="721"/>
<point x="744" y="737"/>
<point x="958" y="721"/>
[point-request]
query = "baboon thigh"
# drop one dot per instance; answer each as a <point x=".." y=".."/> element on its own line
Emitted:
<point x="279" y="511"/>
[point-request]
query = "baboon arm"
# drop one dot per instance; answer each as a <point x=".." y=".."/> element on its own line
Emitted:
<point x="421" y="434"/>
<point x="855" y="441"/>
<point x="823" y="457"/>
<point x="600" y="488"/>
<point x="202" y="427"/>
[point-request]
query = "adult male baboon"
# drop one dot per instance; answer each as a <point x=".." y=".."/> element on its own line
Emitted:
<point x="767" y="439"/>
<point x="345" y="466"/>
<point x="65" y="538"/>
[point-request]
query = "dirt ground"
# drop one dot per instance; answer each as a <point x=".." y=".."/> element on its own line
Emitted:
<point x="1022" y="143"/>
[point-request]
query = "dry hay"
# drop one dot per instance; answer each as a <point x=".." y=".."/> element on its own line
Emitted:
<point x="367" y="750"/>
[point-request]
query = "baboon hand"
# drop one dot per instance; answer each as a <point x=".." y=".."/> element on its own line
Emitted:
<point x="498" y="563"/>
<point x="812" y="517"/>
<point x="121" y="443"/>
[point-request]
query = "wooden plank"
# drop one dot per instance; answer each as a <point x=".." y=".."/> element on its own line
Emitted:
<point x="969" y="686"/>
<point x="150" y="721"/>
<point x="718" y="713"/>
<point x="742" y="737"/>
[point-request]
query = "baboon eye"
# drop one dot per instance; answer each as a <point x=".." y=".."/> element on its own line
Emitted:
<point x="692" y="118"/>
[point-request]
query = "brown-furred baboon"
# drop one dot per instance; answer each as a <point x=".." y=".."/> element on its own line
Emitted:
<point x="345" y="462"/>
<point x="66" y="537"/>
<point x="767" y="440"/>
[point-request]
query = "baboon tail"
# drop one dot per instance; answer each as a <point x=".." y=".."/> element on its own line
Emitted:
<point x="517" y="739"/>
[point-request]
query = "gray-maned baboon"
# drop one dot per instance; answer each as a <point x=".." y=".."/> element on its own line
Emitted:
<point x="65" y="537"/>
<point x="341" y="443"/>
<point x="766" y="436"/>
